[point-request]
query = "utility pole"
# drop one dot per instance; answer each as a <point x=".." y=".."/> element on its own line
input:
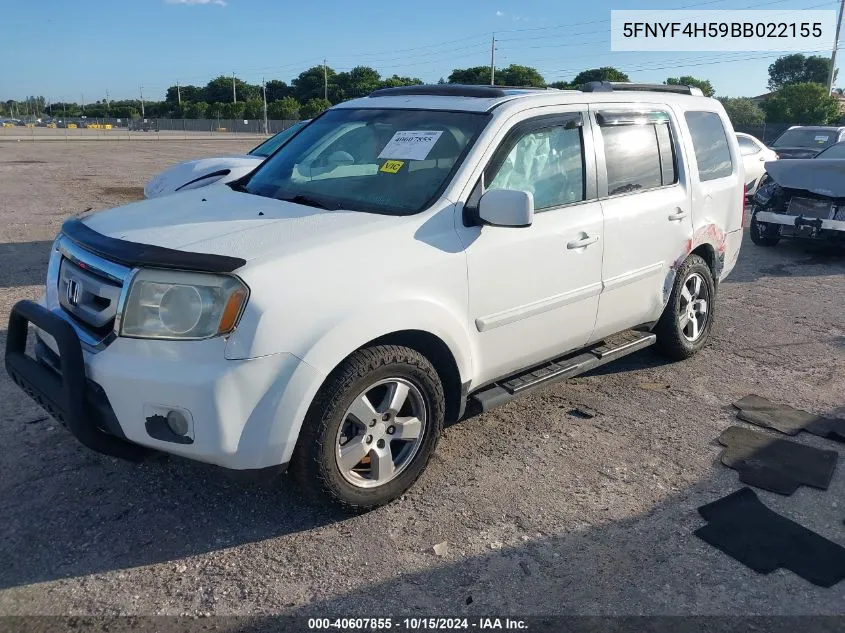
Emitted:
<point x="143" y="115"/>
<point x="264" y="90"/>
<point x="493" y="59"/>
<point x="83" y="103"/>
<point x="178" y="93"/>
<point x="326" y="81"/>
<point x="835" y="47"/>
<point x="234" y="92"/>
<point x="107" y="104"/>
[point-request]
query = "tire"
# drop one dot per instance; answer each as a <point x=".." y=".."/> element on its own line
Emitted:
<point x="334" y="431"/>
<point x="762" y="233"/>
<point x="679" y="338"/>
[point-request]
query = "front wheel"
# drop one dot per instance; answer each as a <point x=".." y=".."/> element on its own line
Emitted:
<point x="371" y="429"/>
<point x="685" y="324"/>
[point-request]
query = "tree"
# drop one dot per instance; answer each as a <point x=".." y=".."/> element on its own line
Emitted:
<point x="358" y="82"/>
<point x="396" y="81"/>
<point x="797" y="69"/>
<point x="742" y="111"/>
<point x="196" y="110"/>
<point x="277" y="90"/>
<point x="314" y="107"/>
<point x="309" y="85"/>
<point x="189" y="94"/>
<point x="605" y="73"/>
<point x="254" y="109"/>
<point x="219" y="90"/>
<point x="283" y="109"/>
<point x="515" y="75"/>
<point x="475" y="76"/>
<point x="804" y="103"/>
<point x="560" y="85"/>
<point x="703" y="84"/>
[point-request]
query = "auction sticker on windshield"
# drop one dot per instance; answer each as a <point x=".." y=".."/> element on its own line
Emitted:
<point x="410" y="145"/>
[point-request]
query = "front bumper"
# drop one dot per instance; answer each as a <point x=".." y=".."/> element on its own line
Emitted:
<point x="798" y="222"/>
<point x="242" y="415"/>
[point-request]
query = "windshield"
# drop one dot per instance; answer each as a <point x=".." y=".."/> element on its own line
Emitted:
<point x="806" y="137"/>
<point x="834" y="151"/>
<point x="383" y="161"/>
<point x="274" y="142"/>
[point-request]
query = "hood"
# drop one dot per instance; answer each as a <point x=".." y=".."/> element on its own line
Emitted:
<point x="171" y="179"/>
<point x="220" y="221"/>
<point x="821" y="176"/>
<point x="796" y="152"/>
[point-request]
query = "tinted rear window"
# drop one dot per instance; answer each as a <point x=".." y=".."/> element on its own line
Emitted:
<point x="638" y="155"/>
<point x="710" y="142"/>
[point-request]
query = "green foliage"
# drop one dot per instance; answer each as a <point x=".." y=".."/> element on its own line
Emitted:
<point x="742" y="111"/>
<point x="254" y="109"/>
<point x="515" y="75"/>
<point x="475" y="76"/>
<point x="805" y="103"/>
<point x="797" y="69"/>
<point x="396" y="81"/>
<point x="277" y="90"/>
<point x="605" y="73"/>
<point x="704" y="85"/>
<point x="358" y="82"/>
<point x="196" y="110"/>
<point x="309" y="85"/>
<point x="314" y="107"/>
<point x="286" y="108"/>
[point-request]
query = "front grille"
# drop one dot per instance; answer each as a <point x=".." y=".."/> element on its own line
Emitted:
<point x="90" y="298"/>
<point x="85" y="290"/>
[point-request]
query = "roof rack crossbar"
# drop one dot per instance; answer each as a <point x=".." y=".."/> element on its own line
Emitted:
<point x="613" y="86"/>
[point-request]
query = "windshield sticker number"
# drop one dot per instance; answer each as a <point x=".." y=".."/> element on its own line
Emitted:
<point x="410" y="145"/>
<point x="822" y="139"/>
<point x="392" y="166"/>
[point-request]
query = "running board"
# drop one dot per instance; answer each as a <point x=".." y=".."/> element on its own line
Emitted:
<point x="561" y="368"/>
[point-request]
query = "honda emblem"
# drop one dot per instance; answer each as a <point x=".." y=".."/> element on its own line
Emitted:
<point x="74" y="292"/>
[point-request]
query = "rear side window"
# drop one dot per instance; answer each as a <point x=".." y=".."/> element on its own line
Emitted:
<point x="747" y="146"/>
<point x="638" y="151"/>
<point x="710" y="142"/>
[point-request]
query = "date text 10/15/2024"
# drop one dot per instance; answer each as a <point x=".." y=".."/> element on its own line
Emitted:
<point x="416" y="624"/>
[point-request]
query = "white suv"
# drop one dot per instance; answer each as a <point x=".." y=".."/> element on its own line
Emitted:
<point x="406" y="257"/>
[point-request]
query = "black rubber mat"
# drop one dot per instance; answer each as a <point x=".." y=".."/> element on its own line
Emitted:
<point x="788" y="420"/>
<point x="775" y="464"/>
<point x="745" y="529"/>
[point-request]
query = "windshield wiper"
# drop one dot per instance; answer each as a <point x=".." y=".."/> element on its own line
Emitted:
<point x="308" y="201"/>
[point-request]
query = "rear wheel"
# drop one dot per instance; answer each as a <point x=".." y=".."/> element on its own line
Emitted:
<point x="763" y="233"/>
<point x="371" y="429"/>
<point x="685" y="324"/>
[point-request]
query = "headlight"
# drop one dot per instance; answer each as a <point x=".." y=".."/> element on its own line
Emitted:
<point x="170" y="304"/>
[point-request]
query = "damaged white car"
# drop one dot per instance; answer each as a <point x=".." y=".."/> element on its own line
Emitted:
<point x="203" y="172"/>
<point x="800" y="198"/>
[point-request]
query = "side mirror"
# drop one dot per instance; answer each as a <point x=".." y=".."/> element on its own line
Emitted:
<point x="506" y="207"/>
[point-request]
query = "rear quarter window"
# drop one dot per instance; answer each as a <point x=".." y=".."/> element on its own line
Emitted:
<point x="710" y="142"/>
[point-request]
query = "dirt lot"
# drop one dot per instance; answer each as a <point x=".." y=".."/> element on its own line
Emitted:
<point x="545" y="511"/>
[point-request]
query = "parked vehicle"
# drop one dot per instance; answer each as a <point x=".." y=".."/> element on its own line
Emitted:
<point x="754" y="154"/>
<point x="805" y="141"/>
<point x="834" y="151"/>
<point x="801" y="198"/>
<point x="408" y="256"/>
<point x="194" y="174"/>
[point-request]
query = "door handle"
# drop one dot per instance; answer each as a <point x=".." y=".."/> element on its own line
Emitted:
<point x="583" y="241"/>
<point x="679" y="214"/>
<point x="762" y="159"/>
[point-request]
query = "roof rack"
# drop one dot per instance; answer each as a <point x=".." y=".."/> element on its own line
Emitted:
<point x="444" y="90"/>
<point x="613" y="86"/>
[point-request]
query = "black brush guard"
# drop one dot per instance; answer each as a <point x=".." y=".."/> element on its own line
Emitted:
<point x="61" y="387"/>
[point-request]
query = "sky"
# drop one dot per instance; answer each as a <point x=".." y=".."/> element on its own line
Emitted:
<point x="70" y="50"/>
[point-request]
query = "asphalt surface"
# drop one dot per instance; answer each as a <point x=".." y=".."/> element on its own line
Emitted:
<point x="578" y="499"/>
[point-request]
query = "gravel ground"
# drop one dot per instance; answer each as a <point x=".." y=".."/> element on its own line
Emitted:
<point x="545" y="510"/>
